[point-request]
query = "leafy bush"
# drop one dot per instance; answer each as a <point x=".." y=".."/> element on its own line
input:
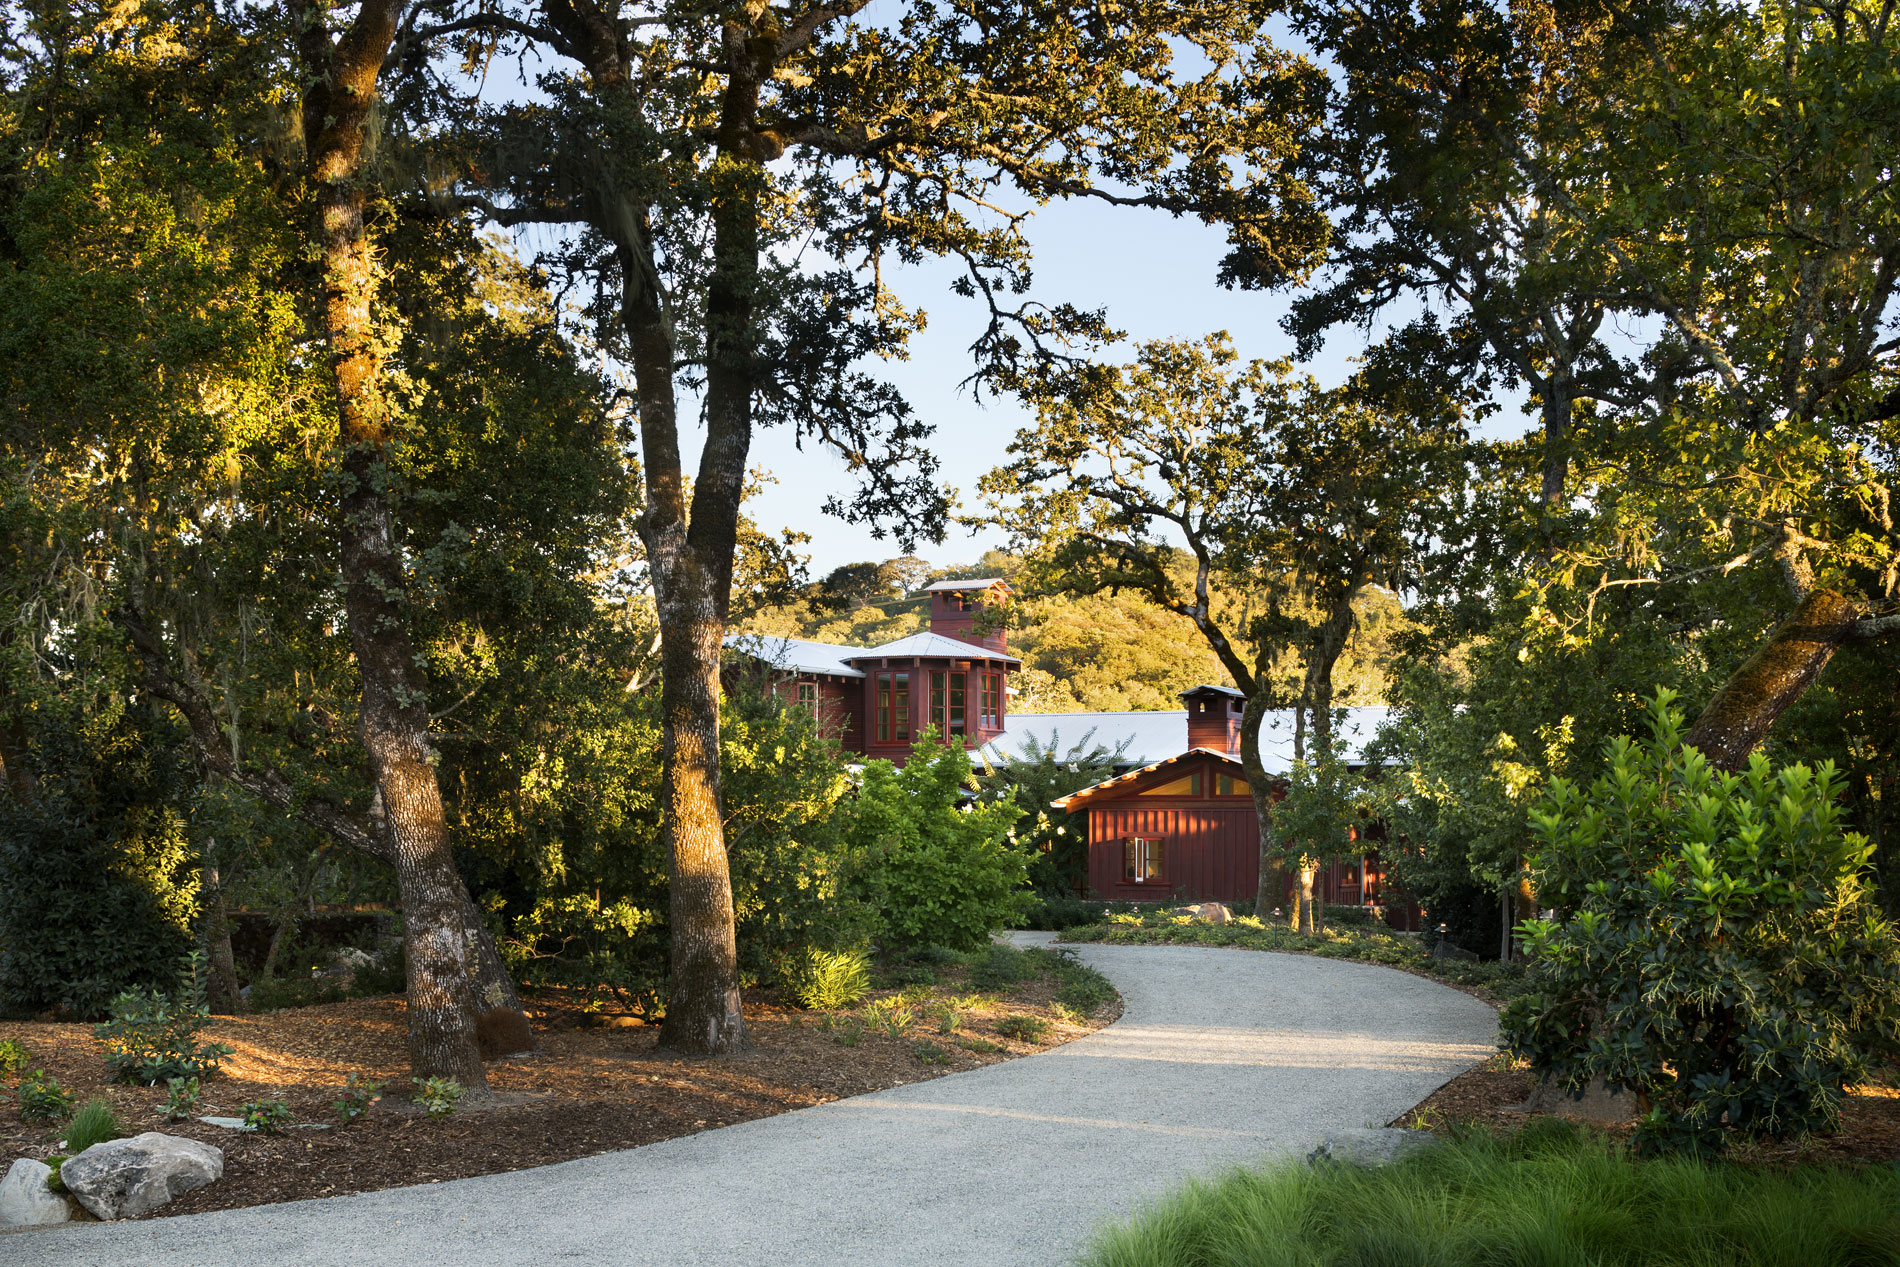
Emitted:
<point x="1054" y="913"/>
<point x="94" y="1123"/>
<point x="439" y="1096"/>
<point x="98" y="880"/>
<point x="906" y="974"/>
<point x="1548" y="1196"/>
<point x="941" y="956"/>
<point x="981" y="1046"/>
<point x="929" y="1052"/>
<point x="847" y="1031"/>
<point x="889" y="1016"/>
<point x="181" y="1100"/>
<point x="936" y="870"/>
<point x="821" y="980"/>
<point x="997" y="967"/>
<point x="1719" y="954"/>
<point x="358" y="1095"/>
<point x="267" y="1117"/>
<point x="151" y="1038"/>
<point x="13" y="1056"/>
<point x="948" y="1017"/>
<point x="1027" y="1029"/>
<point x="275" y="993"/>
<point x="42" y="1099"/>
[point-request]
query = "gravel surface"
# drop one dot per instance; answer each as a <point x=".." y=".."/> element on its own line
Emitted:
<point x="1220" y="1057"/>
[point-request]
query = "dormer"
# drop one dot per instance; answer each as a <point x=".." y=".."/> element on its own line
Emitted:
<point x="1213" y="717"/>
<point x="957" y="606"/>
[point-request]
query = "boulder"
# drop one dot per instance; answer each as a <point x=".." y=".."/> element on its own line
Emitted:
<point x="1371" y="1146"/>
<point x="123" y="1178"/>
<point x="1208" y="912"/>
<point x="26" y="1201"/>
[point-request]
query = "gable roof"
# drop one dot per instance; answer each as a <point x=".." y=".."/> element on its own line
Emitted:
<point x="980" y="583"/>
<point x="796" y="655"/>
<point x="1151" y="736"/>
<point x="930" y="644"/>
<point x="1107" y="787"/>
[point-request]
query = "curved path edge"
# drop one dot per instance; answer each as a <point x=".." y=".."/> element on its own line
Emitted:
<point x="1217" y="1059"/>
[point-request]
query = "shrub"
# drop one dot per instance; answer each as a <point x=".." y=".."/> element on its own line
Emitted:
<point x="151" y="1038"/>
<point x="358" y="1095"/>
<point x="1027" y="1029"/>
<point x="908" y="974"/>
<point x="1719" y="954"/>
<point x="439" y="1097"/>
<point x="821" y="980"/>
<point x="937" y="870"/>
<point x="941" y="956"/>
<point x="42" y="1099"/>
<point x="267" y="1117"/>
<point x="949" y="1019"/>
<point x="181" y="1100"/>
<point x="94" y="1123"/>
<point x="13" y="1056"/>
<point x="275" y="993"/>
<point x="998" y="967"/>
<point x="848" y="1031"/>
<point x="929" y="1052"/>
<point x="98" y="879"/>
<point x="890" y="1016"/>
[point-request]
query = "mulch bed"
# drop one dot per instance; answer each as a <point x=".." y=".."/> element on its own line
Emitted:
<point x="593" y="1089"/>
<point x="1486" y="1097"/>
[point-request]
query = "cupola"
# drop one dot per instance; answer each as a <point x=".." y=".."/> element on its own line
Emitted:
<point x="1213" y="717"/>
<point x="957" y="611"/>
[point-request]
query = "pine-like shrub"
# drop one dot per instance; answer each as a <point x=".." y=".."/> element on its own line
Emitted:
<point x="822" y="980"/>
<point x="1716" y="950"/>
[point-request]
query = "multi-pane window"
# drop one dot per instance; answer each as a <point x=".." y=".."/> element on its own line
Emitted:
<point x="808" y="698"/>
<point x="1228" y="785"/>
<point x="947" y="703"/>
<point x="1143" y="860"/>
<point x="893" y="707"/>
<point x="992" y="701"/>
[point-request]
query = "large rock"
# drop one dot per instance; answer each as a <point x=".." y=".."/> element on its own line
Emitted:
<point x="124" y="1178"/>
<point x="26" y="1201"/>
<point x="1371" y="1146"/>
<point x="1207" y="912"/>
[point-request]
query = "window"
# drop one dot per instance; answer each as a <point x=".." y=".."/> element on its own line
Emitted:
<point x="992" y="701"/>
<point x="1142" y="860"/>
<point x="808" y="698"/>
<point x="947" y="703"/>
<point x="1228" y="785"/>
<point x="893" y="708"/>
<point x="1189" y="786"/>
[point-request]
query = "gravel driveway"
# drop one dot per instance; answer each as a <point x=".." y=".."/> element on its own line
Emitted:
<point x="1221" y="1056"/>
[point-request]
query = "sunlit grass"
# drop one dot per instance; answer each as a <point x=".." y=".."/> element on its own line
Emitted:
<point x="1548" y="1197"/>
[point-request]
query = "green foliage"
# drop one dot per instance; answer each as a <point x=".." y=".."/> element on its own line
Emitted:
<point x="937" y="869"/>
<point x="1547" y="1196"/>
<point x="275" y="993"/>
<point x="1716" y="952"/>
<point x="358" y="1094"/>
<point x="981" y="1046"/>
<point x="151" y="1037"/>
<point x="94" y="1122"/>
<point x="1026" y="1029"/>
<point x="1326" y="809"/>
<point x="1057" y="843"/>
<point x="41" y="1098"/>
<point x="53" y="1179"/>
<point x="928" y="1052"/>
<point x="847" y="1030"/>
<point x="890" y="1017"/>
<point x="97" y="879"/>
<point x="823" y="980"/>
<point x="948" y="1016"/>
<point x="267" y="1117"/>
<point x="439" y="1097"/>
<point x="998" y="967"/>
<point x="13" y="1056"/>
<point x="181" y="1099"/>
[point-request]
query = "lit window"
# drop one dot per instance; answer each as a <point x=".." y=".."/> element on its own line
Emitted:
<point x="1142" y="860"/>
<point x="808" y="698"/>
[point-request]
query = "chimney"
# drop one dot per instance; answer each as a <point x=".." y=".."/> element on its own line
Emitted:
<point x="1213" y="717"/>
<point x="955" y="607"/>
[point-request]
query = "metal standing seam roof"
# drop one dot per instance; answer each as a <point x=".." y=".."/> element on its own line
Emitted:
<point x="796" y="654"/>
<point x="1162" y="733"/>
<point x="981" y="583"/>
<point x="930" y="644"/>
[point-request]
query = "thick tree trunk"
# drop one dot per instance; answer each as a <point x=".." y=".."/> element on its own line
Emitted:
<point x="1745" y="708"/>
<point x="1271" y="890"/>
<point x="393" y="716"/>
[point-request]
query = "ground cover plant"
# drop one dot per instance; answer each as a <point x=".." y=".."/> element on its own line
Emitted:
<point x="1496" y="982"/>
<point x="1550" y="1194"/>
<point x="600" y="1081"/>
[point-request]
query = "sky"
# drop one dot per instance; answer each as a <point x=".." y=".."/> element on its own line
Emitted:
<point x="1155" y="276"/>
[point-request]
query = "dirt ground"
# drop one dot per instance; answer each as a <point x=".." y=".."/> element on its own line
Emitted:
<point x="1487" y="1096"/>
<point x="592" y="1089"/>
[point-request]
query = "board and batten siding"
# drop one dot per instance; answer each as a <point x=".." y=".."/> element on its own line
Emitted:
<point x="1212" y="852"/>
